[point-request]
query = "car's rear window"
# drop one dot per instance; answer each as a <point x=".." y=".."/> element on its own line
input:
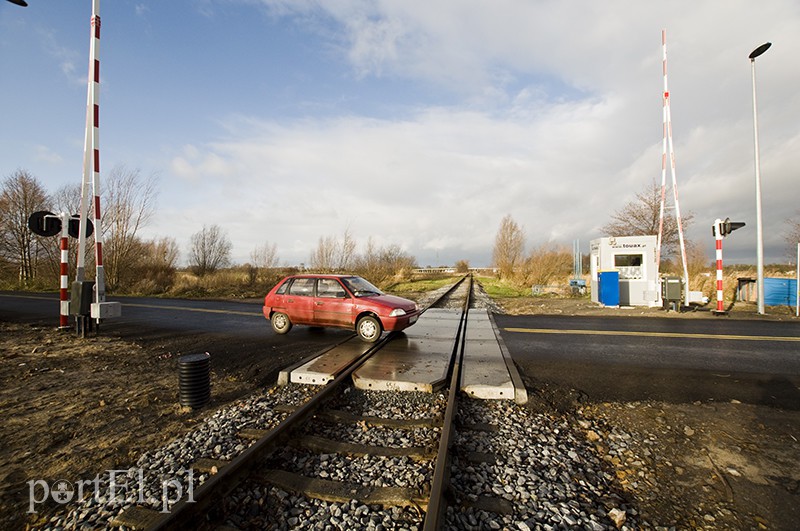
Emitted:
<point x="282" y="289"/>
<point x="303" y="287"/>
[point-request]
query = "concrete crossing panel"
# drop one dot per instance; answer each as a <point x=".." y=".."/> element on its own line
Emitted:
<point x="485" y="374"/>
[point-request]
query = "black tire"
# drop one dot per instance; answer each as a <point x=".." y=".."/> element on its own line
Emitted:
<point x="280" y="323"/>
<point x="369" y="329"/>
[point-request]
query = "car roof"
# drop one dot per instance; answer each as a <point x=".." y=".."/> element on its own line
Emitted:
<point x="319" y="275"/>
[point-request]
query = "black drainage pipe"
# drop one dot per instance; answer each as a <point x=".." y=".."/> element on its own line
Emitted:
<point x="194" y="378"/>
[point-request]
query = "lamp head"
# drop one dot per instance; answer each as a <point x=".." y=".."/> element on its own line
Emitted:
<point x="22" y="3"/>
<point x="761" y="49"/>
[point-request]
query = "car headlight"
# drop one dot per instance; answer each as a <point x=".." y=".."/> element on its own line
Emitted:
<point x="397" y="312"/>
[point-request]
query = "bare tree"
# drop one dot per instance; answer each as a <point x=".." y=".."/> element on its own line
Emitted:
<point x="347" y="251"/>
<point x="548" y="264"/>
<point x="382" y="264"/>
<point x="21" y="196"/>
<point x="265" y="256"/>
<point x="210" y="250"/>
<point x="792" y="237"/>
<point x="128" y="204"/>
<point x="640" y="218"/>
<point x="333" y="255"/>
<point x="324" y="255"/>
<point x="157" y="267"/>
<point x="509" y="246"/>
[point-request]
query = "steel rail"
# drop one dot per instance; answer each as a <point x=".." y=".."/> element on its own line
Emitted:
<point x="441" y="473"/>
<point x="447" y="293"/>
<point x="185" y="513"/>
<point x="192" y="513"/>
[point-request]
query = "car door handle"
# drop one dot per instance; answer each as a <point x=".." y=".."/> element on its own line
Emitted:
<point x="289" y="300"/>
<point x="318" y="303"/>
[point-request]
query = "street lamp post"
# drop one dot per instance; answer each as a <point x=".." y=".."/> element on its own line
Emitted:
<point x="759" y="229"/>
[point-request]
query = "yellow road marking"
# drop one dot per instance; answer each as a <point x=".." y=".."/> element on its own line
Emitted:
<point x="184" y="308"/>
<point x="649" y="334"/>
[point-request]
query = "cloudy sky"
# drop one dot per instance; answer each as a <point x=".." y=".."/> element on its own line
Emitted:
<point x="418" y="123"/>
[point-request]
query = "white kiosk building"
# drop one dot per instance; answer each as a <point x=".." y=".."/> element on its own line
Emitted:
<point x="634" y="258"/>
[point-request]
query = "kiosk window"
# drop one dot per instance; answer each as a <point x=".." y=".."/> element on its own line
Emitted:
<point x="628" y="260"/>
<point x="629" y="266"/>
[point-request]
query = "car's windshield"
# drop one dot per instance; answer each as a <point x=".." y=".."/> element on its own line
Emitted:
<point x="360" y="287"/>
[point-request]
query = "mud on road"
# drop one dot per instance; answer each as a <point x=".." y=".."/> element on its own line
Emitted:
<point x="73" y="408"/>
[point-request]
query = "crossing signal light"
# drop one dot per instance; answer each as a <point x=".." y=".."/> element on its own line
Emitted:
<point x="729" y="226"/>
<point x="74" y="226"/>
<point x="44" y="223"/>
<point x="726" y="227"/>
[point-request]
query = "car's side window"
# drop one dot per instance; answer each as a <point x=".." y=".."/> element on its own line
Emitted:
<point x="330" y="288"/>
<point x="303" y="287"/>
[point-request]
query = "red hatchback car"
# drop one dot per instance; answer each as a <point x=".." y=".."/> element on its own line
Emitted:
<point x="342" y="301"/>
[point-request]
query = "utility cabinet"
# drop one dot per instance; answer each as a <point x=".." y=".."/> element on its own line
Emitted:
<point x="80" y="302"/>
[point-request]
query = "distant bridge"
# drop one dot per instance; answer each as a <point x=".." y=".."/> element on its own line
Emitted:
<point x="453" y="270"/>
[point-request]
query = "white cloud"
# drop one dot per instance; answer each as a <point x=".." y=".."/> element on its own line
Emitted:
<point x="555" y="119"/>
<point x="46" y="154"/>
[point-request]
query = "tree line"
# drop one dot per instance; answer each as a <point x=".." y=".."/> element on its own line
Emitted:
<point x="134" y="265"/>
<point x="640" y="217"/>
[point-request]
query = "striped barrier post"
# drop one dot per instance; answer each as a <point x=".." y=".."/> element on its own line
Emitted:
<point x="100" y="291"/>
<point x="718" y="236"/>
<point x="63" y="318"/>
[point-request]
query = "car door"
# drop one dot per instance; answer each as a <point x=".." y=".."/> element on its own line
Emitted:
<point x="300" y="301"/>
<point x="333" y="306"/>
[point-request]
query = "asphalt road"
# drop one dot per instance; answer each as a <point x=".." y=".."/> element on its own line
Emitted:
<point x="674" y="360"/>
<point x="236" y="334"/>
<point x="604" y="358"/>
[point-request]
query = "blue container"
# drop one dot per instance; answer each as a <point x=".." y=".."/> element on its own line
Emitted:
<point x="608" y="288"/>
<point x="780" y="291"/>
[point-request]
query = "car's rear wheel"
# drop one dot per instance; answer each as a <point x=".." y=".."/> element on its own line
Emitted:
<point x="280" y="323"/>
<point x="369" y="329"/>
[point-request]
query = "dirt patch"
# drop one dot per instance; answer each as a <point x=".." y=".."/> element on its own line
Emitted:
<point x="718" y="466"/>
<point x="700" y="465"/>
<point x="75" y="407"/>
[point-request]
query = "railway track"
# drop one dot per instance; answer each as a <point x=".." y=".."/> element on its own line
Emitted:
<point x="336" y="456"/>
<point x="320" y="449"/>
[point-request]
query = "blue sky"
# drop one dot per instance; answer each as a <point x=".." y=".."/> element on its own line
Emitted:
<point x="414" y="123"/>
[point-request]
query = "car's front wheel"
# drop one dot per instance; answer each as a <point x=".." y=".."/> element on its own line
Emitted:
<point x="369" y="329"/>
<point x="280" y="323"/>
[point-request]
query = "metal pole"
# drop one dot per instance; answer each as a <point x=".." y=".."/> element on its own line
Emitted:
<point x="88" y="145"/>
<point x="663" y="153"/>
<point x="759" y="230"/>
<point x="797" y="286"/>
